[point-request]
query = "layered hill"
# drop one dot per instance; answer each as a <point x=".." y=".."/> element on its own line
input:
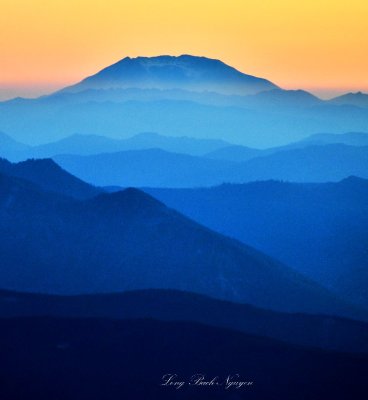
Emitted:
<point x="128" y="241"/>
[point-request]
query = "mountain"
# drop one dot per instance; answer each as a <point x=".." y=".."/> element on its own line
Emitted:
<point x="130" y="241"/>
<point x="50" y="177"/>
<point x="168" y="72"/>
<point x="320" y="331"/>
<point x="358" y="99"/>
<point x="321" y="230"/>
<point x="104" y="359"/>
<point x="158" y="168"/>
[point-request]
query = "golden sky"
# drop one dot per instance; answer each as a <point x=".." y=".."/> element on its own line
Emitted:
<point x="318" y="45"/>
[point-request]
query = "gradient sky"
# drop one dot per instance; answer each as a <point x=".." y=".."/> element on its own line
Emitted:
<point x="318" y="45"/>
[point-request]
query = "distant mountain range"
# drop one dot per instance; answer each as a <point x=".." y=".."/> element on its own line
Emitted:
<point x="79" y="144"/>
<point x="85" y="144"/>
<point x="129" y="241"/>
<point x="158" y="168"/>
<point x="319" y="229"/>
<point x="181" y="96"/>
<point x="150" y="159"/>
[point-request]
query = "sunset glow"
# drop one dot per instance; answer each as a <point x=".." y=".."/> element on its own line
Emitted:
<point x="317" y="45"/>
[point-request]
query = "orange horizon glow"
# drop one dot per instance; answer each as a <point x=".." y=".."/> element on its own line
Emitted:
<point x="318" y="46"/>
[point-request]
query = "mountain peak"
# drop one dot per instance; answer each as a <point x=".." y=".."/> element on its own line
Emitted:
<point x="169" y="58"/>
<point x="40" y="163"/>
<point x="128" y="200"/>
<point x="49" y="176"/>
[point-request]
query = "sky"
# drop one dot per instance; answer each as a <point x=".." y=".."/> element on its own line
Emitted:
<point x="316" y="45"/>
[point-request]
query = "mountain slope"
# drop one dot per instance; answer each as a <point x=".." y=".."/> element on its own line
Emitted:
<point x="50" y="177"/>
<point x="319" y="229"/>
<point x="168" y="72"/>
<point x="325" y="332"/>
<point x="129" y="241"/>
